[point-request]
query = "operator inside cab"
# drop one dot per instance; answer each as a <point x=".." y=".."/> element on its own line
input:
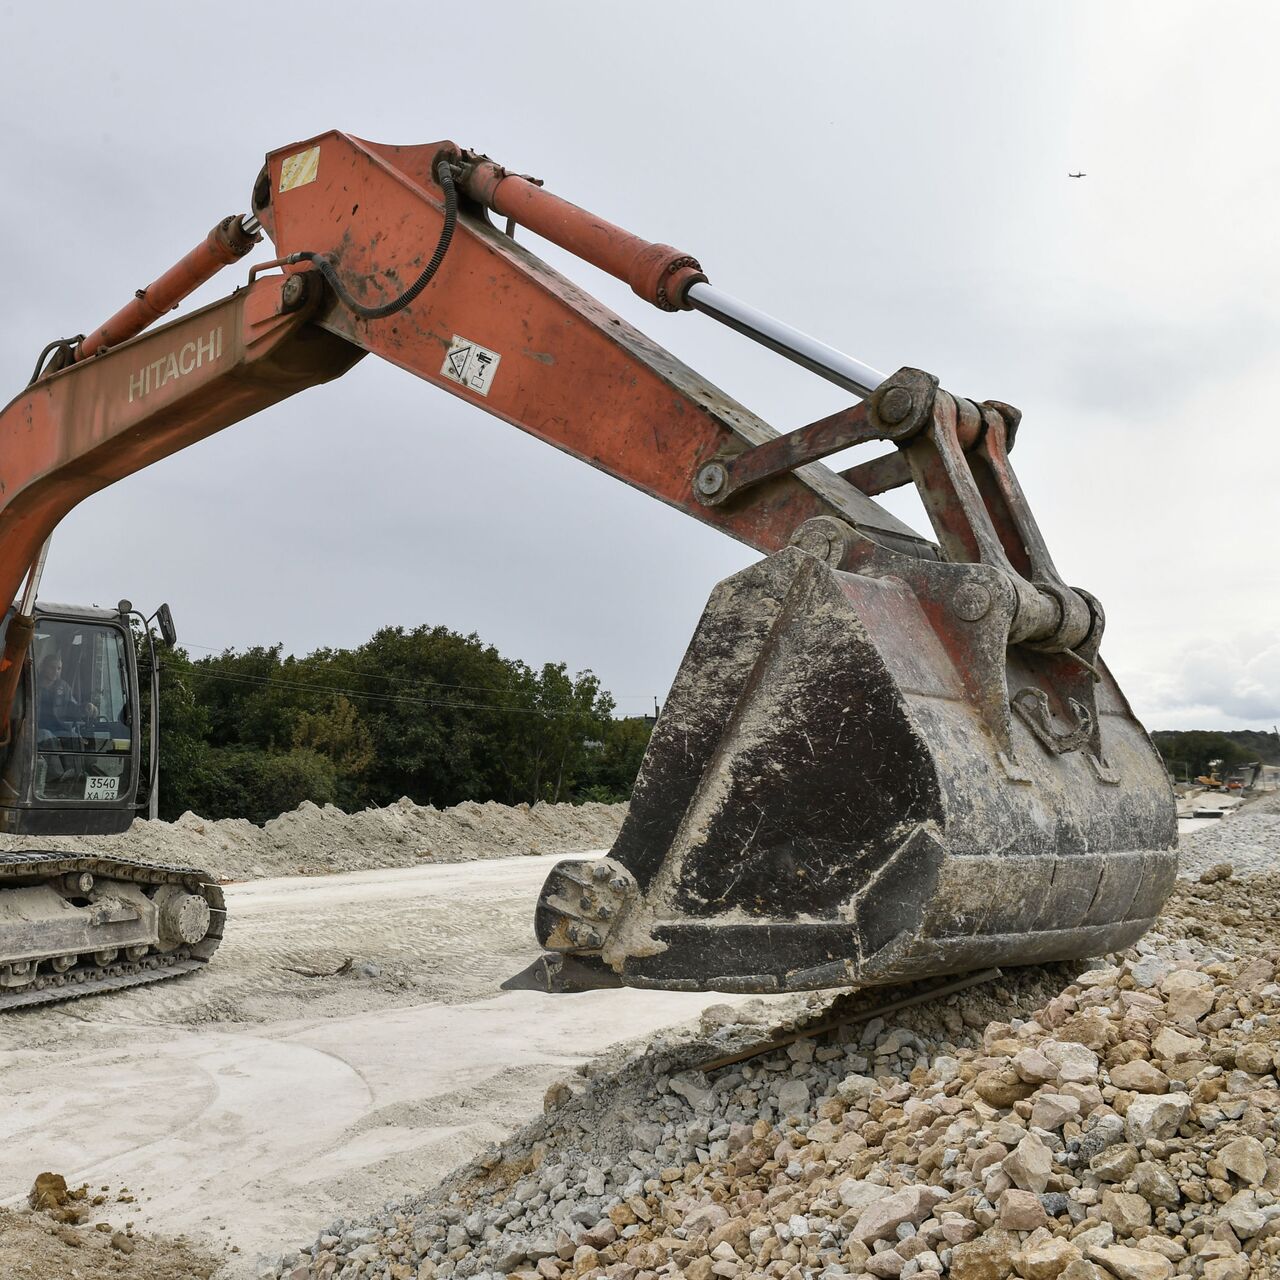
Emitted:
<point x="58" y="711"/>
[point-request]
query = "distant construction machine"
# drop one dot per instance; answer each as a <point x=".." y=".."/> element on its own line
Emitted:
<point x="884" y="757"/>
<point x="1211" y="781"/>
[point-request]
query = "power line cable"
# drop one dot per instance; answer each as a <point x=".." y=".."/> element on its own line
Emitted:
<point x="327" y="689"/>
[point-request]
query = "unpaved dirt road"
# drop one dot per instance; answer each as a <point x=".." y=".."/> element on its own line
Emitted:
<point x="1203" y="800"/>
<point x="250" y="1105"/>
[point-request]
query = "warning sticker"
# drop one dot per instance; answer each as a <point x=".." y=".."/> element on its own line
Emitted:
<point x="297" y="171"/>
<point x="471" y="365"/>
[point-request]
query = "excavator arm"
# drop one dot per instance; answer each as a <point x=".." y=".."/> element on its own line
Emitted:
<point x="560" y="365"/>
<point x="883" y="756"/>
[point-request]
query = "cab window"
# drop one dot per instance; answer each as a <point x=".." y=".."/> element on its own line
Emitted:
<point x="80" y="685"/>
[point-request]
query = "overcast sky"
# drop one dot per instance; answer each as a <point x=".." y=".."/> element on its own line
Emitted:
<point x="889" y="177"/>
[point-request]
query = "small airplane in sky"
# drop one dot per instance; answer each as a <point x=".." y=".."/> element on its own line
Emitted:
<point x="1077" y="175"/>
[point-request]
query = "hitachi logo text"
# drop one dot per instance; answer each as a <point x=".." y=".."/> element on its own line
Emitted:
<point x="189" y="357"/>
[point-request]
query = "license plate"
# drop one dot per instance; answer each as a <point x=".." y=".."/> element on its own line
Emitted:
<point x="107" y="788"/>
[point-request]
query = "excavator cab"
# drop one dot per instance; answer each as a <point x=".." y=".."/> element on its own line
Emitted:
<point x="74" y="764"/>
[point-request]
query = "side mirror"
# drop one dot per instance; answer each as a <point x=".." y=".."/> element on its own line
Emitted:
<point x="164" y="620"/>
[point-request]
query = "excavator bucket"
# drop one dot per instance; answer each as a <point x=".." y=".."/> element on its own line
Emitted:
<point x="862" y="776"/>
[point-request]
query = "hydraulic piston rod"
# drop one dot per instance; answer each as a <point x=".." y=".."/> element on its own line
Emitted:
<point x="228" y="242"/>
<point x="809" y="353"/>
<point x="660" y="274"/>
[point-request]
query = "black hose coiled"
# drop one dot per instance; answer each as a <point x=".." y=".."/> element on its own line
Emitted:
<point x="62" y="350"/>
<point x="444" y="175"/>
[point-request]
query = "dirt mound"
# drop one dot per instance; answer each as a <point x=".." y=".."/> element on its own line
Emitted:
<point x="1244" y="910"/>
<point x="312" y="840"/>
<point x="1126" y="1128"/>
<point x="81" y="1233"/>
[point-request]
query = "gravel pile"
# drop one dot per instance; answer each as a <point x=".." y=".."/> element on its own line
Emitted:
<point x="1248" y="838"/>
<point x="1113" y="1122"/>
<point x="1126" y="1129"/>
<point x="315" y="840"/>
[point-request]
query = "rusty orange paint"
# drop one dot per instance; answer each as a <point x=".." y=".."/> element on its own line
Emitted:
<point x="658" y="273"/>
<point x="572" y="372"/>
<point x="79" y="430"/>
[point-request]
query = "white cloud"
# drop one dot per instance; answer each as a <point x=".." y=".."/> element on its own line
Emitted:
<point x="915" y="211"/>
<point x="1218" y="682"/>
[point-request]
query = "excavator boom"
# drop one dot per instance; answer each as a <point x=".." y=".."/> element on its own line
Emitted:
<point x="885" y="755"/>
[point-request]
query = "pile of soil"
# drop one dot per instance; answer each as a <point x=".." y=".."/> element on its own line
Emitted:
<point x="1246" y="837"/>
<point x="81" y="1233"/>
<point x="1112" y="1120"/>
<point x="311" y="840"/>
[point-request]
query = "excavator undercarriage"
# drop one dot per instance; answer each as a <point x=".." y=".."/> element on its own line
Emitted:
<point x="885" y="755"/>
<point x="73" y="925"/>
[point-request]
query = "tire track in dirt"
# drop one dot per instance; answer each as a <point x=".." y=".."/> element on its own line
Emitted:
<point x="247" y="1104"/>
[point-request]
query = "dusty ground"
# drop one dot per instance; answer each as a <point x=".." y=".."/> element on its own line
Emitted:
<point x="1112" y="1120"/>
<point x="250" y="1104"/>
<point x="34" y="1246"/>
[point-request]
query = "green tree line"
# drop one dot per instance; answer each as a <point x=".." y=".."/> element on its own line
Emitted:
<point x="1187" y="752"/>
<point x="425" y="713"/>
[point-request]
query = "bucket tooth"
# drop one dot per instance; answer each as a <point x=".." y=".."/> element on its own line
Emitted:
<point x="825" y="800"/>
<point x="580" y="901"/>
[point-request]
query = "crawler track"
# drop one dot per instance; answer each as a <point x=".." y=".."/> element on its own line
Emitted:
<point x="85" y="977"/>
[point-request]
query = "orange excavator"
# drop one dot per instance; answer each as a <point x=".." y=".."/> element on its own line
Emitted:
<point x="884" y="756"/>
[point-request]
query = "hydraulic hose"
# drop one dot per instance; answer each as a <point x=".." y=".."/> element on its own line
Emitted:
<point x="63" y="352"/>
<point x="444" y="176"/>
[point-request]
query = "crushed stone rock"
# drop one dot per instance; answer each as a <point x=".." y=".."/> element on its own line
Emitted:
<point x="1118" y="1120"/>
